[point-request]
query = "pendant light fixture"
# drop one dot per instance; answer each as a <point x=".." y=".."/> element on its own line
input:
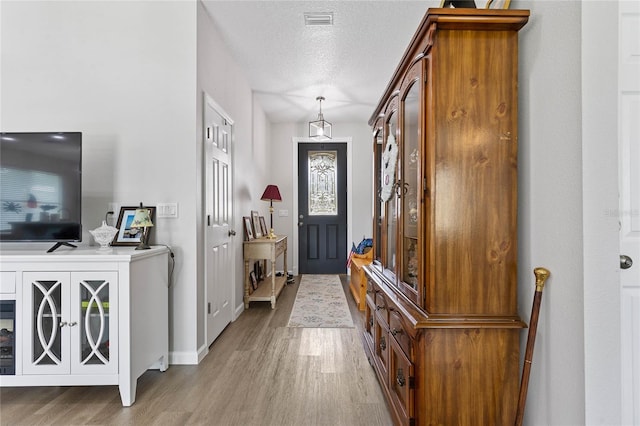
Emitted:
<point x="320" y="129"/>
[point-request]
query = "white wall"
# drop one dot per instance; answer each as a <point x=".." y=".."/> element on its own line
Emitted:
<point x="550" y="208"/>
<point x="123" y="73"/>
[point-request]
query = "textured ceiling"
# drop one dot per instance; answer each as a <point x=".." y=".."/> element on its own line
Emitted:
<point x="289" y="64"/>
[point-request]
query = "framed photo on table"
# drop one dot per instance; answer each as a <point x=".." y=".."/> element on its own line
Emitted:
<point x="263" y="226"/>
<point x="254" y="280"/>
<point x="248" y="229"/>
<point x="255" y="220"/>
<point x="128" y="236"/>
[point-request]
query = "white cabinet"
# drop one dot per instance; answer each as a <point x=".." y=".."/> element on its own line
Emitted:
<point x="70" y="322"/>
<point x="87" y="318"/>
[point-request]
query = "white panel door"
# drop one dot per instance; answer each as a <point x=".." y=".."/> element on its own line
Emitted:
<point x="219" y="220"/>
<point x="629" y="169"/>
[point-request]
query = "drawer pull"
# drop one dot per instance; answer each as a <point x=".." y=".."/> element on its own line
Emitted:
<point x="395" y="331"/>
<point x="378" y="308"/>
<point x="400" y="380"/>
<point x="383" y="343"/>
<point x="371" y="322"/>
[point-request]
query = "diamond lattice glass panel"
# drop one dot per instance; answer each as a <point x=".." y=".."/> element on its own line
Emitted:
<point x="323" y="179"/>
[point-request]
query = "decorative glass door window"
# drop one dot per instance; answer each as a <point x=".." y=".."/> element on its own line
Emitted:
<point x="410" y="189"/>
<point x="94" y="324"/>
<point x="323" y="180"/>
<point x="47" y="322"/>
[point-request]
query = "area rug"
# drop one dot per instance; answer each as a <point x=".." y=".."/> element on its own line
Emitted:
<point x="320" y="303"/>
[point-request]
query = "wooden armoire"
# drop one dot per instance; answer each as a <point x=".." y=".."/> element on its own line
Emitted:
<point x="442" y="329"/>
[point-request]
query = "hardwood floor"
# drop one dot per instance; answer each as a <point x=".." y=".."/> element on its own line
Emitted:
<point x="258" y="372"/>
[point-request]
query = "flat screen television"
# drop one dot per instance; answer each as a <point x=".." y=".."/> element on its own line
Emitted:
<point x="40" y="187"/>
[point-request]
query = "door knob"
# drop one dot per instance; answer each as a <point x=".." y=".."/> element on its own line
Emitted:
<point x="300" y="223"/>
<point x="625" y="261"/>
<point x="232" y="232"/>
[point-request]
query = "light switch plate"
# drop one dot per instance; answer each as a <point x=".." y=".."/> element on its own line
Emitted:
<point x="167" y="210"/>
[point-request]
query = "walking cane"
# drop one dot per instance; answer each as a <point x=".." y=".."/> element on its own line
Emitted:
<point x="541" y="276"/>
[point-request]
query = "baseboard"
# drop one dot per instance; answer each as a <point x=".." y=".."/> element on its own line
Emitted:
<point x="185" y="358"/>
<point x="239" y="309"/>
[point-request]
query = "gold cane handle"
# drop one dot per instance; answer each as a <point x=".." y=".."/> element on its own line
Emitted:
<point x="541" y="276"/>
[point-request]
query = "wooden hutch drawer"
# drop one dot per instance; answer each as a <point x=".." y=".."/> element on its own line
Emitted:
<point x="381" y="350"/>
<point x="400" y="333"/>
<point x="401" y="384"/>
<point x="381" y="307"/>
<point x="369" y="323"/>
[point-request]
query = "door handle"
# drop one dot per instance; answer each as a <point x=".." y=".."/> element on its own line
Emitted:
<point x="625" y="261"/>
<point x="232" y="232"/>
<point x="300" y="223"/>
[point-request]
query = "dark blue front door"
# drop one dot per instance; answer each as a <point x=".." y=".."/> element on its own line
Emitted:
<point x="322" y="208"/>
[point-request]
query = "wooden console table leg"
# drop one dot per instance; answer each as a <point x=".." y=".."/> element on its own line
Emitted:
<point x="246" y="284"/>
<point x="286" y="273"/>
<point x="273" y="284"/>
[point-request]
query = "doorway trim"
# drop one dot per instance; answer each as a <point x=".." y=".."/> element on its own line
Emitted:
<point x="296" y="141"/>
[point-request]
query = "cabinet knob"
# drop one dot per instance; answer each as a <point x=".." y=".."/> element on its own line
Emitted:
<point x="625" y="262"/>
<point x="71" y="324"/>
<point x="63" y="324"/>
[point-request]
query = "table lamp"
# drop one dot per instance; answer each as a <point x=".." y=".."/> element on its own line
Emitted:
<point x="272" y="194"/>
<point x="141" y="219"/>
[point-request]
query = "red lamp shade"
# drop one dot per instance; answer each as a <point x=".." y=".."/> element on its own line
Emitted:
<point x="271" y="193"/>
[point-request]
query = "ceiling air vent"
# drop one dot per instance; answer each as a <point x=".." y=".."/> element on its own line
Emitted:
<point x="318" y="18"/>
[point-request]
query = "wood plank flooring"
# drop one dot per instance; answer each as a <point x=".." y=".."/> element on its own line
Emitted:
<point x="258" y="372"/>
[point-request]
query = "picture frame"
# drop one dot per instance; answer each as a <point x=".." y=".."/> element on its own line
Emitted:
<point x="128" y="236"/>
<point x="253" y="280"/>
<point x="255" y="220"/>
<point x="263" y="226"/>
<point x="248" y="229"/>
<point x="257" y="268"/>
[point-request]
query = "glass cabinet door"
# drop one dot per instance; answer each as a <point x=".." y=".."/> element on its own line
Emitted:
<point x="94" y="324"/>
<point x="391" y="217"/>
<point x="97" y="327"/>
<point x="378" y="146"/>
<point x="410" y="186"/>
<point x="47" y="323"/>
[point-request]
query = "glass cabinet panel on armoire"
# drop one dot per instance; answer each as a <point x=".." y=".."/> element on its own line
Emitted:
<point x="411" y="194"/>
<point x="389" y="191"/>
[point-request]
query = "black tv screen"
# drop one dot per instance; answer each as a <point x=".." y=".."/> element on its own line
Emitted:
<point x="40" y="186"/>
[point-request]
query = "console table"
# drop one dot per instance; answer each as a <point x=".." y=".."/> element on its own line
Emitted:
<point x="87" y="318"/>
<point x="265" y="249"/>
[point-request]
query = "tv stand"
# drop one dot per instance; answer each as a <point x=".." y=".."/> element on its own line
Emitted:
<point x="57" y="245"/>
<point x="108" y="311"/>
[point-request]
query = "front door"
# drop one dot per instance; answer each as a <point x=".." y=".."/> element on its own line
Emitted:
<point x="322" y="208"/>
<point x="218" y="221"/>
